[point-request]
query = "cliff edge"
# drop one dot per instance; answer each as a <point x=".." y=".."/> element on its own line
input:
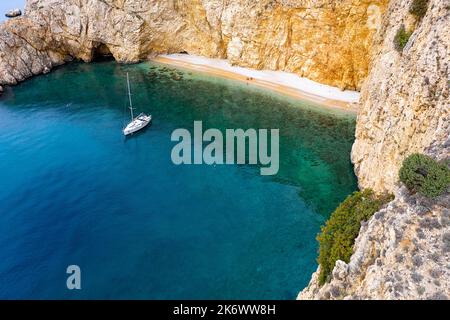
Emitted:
<point x="403" y="251"/>
<point x="324" y="40"/>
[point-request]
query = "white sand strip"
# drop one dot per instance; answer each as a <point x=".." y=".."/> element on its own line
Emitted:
<point x="290" y="80"/>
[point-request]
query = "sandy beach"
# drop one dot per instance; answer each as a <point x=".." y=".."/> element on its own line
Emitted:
<point x="282" y="82"/>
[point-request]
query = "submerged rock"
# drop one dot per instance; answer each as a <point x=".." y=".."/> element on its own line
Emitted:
<point x="13" y="13"/>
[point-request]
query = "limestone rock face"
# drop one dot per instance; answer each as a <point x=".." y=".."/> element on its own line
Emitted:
<point x="325" y="40"/>
<point x="405" y="101"/>
<point x="401" y="253"/>
<point x="403" y="250"/>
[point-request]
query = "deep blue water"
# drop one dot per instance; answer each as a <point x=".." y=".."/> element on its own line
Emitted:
<point x="74" y="191"/>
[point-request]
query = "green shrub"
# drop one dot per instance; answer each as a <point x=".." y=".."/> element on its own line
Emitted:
<point x="424" y="175"/>
<point x="419" y="8"/>
<point x="339" y="233"/>
<point x="401" y="38"/>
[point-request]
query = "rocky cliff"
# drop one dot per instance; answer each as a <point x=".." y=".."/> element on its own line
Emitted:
<point x="403" y="252"/>
<point x="405" y="101"/>
<point x="327" y="41"/>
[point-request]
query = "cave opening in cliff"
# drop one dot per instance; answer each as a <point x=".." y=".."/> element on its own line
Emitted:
<point x="102" y="53"/>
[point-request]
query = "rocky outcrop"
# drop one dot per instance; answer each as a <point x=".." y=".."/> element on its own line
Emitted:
<point x="403" y="252"/>
<point x="327" y="41"/>
<point x="405" y="101"/>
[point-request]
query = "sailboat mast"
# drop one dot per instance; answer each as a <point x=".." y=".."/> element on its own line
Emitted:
<point x="129" y="96"/>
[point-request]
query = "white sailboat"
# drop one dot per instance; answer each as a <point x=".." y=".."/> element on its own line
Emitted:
<point x="138" y="123"/>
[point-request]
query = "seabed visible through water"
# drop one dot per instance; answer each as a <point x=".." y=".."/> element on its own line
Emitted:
<point x="74" y="191"/>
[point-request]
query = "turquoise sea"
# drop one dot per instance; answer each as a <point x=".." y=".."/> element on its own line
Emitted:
<point x="73" y="190"/>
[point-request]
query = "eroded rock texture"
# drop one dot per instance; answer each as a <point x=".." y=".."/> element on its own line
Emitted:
<point x="324" y="40"/>
<point x="405" y="101"/>
<point x="403" y="251"/>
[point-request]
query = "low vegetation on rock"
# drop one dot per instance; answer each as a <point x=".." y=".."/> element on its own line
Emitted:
<point x="339" y="233"/>
<point x="419" y="8"/>
<point x="401" y="38"/>
<point x="423" y="174"/>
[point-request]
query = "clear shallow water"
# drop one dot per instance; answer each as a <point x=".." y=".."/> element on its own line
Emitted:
<point x="74" y="191"/>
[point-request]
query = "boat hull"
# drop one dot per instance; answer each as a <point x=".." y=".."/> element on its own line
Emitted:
<point x="137" y="124"/>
